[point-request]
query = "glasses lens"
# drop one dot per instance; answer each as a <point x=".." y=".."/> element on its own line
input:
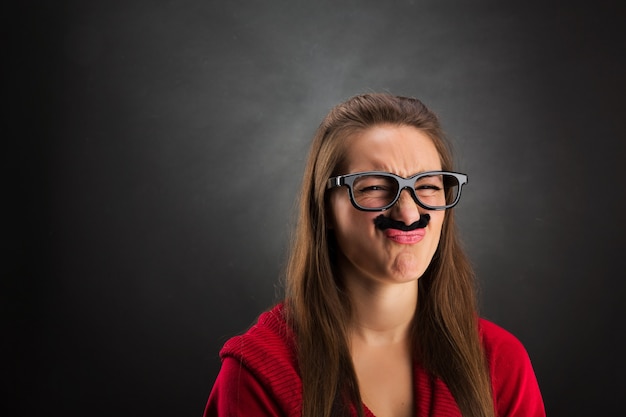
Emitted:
<point x="374" y="191"/>
<point x="437" y="190"/>
<point x="452" y="188"/>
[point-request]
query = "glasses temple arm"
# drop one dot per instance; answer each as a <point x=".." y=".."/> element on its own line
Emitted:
<point x="334" y="182"/>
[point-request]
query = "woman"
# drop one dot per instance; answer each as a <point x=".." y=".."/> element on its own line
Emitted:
<point x="379" y="317"/>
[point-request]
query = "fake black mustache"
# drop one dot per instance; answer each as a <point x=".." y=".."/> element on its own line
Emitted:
<point x="383" y="223"/>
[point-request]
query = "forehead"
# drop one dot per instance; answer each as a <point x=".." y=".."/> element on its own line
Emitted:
<point x="402" y="150"/>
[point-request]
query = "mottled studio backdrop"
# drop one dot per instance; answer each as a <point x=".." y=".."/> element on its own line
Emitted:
<point x="155" y="150"/>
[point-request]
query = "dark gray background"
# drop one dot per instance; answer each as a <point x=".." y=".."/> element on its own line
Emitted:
<point x="156" y="149"/>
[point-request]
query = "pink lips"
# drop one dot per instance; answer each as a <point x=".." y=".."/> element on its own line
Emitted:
<point x="405" y="238"/>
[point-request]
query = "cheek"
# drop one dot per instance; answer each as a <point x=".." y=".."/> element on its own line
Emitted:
<point x="436" y="226"/>
<point x="348" y="222"/>
<point x="338" y="208"/>
<point x="437" y="218"/>
<point x="352" y="223"/>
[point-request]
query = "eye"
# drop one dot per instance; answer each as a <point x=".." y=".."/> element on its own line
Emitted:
<point x="371" y="182"/>
<point x="373" y="187"/>
<point x="429" y="185"/>
<point x="374" y="191"/>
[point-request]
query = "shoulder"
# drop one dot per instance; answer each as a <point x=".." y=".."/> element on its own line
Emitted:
<point x="237" y="392"/>
<point x="259" y="371"/>
<point x="269" y="339"/>
<point x="499" y="341"/>
<point x="504" y="351"/>
<point x="514" y="384"/>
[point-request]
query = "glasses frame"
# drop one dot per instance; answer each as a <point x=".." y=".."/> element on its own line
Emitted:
<point x="408" y="183"/>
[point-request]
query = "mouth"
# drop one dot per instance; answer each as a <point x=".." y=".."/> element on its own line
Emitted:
<point x="405" y="237"/>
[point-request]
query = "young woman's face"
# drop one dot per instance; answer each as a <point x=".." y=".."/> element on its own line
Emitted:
<point x="366" y="252"/>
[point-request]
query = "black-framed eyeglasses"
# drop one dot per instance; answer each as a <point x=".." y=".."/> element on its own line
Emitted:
<point x="378" y="191"/>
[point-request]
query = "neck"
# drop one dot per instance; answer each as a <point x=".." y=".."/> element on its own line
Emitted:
<point x="382" y="313"/>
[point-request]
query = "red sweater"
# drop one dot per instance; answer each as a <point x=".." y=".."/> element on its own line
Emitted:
<point x="259" y="376"/>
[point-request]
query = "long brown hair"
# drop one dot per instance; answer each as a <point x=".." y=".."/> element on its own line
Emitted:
<point x="445" y="330"/>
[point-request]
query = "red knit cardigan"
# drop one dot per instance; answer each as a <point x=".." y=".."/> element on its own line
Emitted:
<point x="259" y="376"/>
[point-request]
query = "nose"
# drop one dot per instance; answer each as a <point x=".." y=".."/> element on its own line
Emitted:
<point x="406" y="209"/>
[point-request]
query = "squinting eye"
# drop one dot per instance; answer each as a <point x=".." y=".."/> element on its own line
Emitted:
<point x="428" y="187"/>
<point x="430" y="183"/>
<point x="374" y="188"/>
<point x="369" y="184"/>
